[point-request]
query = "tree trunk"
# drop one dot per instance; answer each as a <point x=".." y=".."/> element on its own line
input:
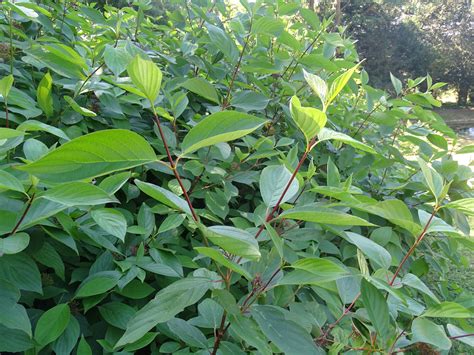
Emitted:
<point x="311" y="5"/>
<point x="338" y="12"/>
<point x="463" y="93"/>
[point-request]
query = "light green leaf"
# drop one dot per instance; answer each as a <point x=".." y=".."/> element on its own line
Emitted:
<point x="75" y="106"/>
<point x="166" y="305"/>
<point x="277" y="240"/>
<point x="397" y="84"/>
<point x="164" y="196"/>
<point x="309" y="120"/>
<point x="98" y="283"/>
<point x="78" y="194"/>
<point x="14" y="243"/>
<point x="92" y="155"/>
<point x="370" y="249"/>
<point x="34" y="126"/>
<point x="220" y="127"/>
<point x="288" y="336"/>
<point x="146" y="76"/>
<point x="233" y="240"/>
<point x="325" y="268"/>
<point x="425" y="331"/>
<point x="5" y="85"/>
<point x="311" y="213"/>
<point x="465" y="205"/>
<point x="318" y="85"/>
<point x="222" y="260"/>
<point x="43" y="95"/>
<point x="377" y="308"/>
<point x="7" y="133"/>
<point x="273" y="181"/>
<point x="328" y="134"/>
<point x="339" y="83"/>
<point x="433" y="180"/>
<point x="467" y="149"/>
<point x="267" y="25"/>
<point x="83" y="348"/>
<point x="202" y="88"/>
<point x="9" y="182"/>
<point x="112" y="221"/>
<point x="52" y="324"/>
<point x="448" y="310"/>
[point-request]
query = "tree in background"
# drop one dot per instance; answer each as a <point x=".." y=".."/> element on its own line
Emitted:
<point x="411" y="37"/>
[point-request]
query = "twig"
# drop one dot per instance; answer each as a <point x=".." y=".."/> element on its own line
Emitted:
<point x="25" y="212"/>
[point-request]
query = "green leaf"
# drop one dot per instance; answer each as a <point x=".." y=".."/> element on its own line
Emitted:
<point x="448" y="310"/>
<point x="370" y="249"/>
<point x="166" y="305"/>
<point x="339" y="83"/>
<point x="188" y="333"/>
<point x="78" y="194"/>
<point x="98" y="283"/>
<point x="223" y="42"/>
<point x="202" y="88"/>
<point x="92" y="155"/>
<point x="222" y="260"/>
<point x="433" y="180"/>
<point x="117" y="314"/>
<point x="273" y="181"/>
<point x="67" y="341"/>
<point x="116" y="59"/>
<point x="425" y="331"/>
<point x="318" y="85"/>
<point x="52" y="324"/>
<point x="5" y="85"/>
<point x="328" y="134"/>
<point x="465" y="205"/>
<point x="311" y="213"/>
<point x="414" y="282"/>
<point x="458" y="332"/>
<point x="249" y="101"/>
<point x="467" y="149"/>
<point x="324" y="268"/>
<point x="220" y="127"/>
<point x="14" y="243"/>
<point x="268" y="26"/>
<point x="9" y="182"/>
<point x="34" y="126"/>
<point x="377" y="308"/>
<point x="397" y="84"/>
<point x="146" y="76"/>
<point x="83" y="347"/>
<point x="22" y="271"/>
<point x="277" y="240"/>
<point x="43" y="95"/>
<point x="112" y="221"/>
<point x="309" y="120"/>
<point x="288" y="336"/>
<point x="164" y="196"/>
<point x="233" y="240"/>
<point x="75" y="106"/>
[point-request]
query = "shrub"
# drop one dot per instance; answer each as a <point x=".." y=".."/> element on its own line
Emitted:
<point x="218" y="180"/>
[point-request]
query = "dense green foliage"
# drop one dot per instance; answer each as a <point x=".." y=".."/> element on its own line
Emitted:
<point x="212" y="179"/>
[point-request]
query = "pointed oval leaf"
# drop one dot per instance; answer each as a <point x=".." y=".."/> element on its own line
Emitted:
<point x="328" y="134"/>
<point x="370" y="249"/>
<point x="43" y="95"/>
<point x="233" y="240"/>
<point x="324" y="268"/>
<point x="79" y="109"/>
<point x="146" y="76"/>
<point x="318" y="85"/>
<point x="448" y="310"/>
<point x="220" y="127"/>
<point x="112" y="221"/>
<point x="309" y="120"/>
<point x="310" y="213"/>
<point x="52" y="324"/>
<point x="78" y="194"/>
<point x="9" y="182"/>
<point x="98" y="283"/>
<point x="222" y="260"/>
<point x="202" y="88"/>
<point x="425" y="331"/>
<point x="14" y="244"/>
<point x="92" y="155"/>
<point x="377" y="308"/>
<point x="164" y="196"/>
<point x="339" y="83"/>
<point x="273" y="181"/>
<point x="5" y="85"/>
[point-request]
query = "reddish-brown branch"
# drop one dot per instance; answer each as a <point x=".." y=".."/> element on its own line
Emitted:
<point x="174" y="167"/>
<point x="6" y="114"/>
<point x="462" y="336"/>
<point x="25" y="212"/>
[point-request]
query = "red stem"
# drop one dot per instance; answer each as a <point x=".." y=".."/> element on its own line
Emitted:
<point x="17" y="225"/>
<point x="399" y="268"/>
<point x="174" y="168"/>
<point x="6" y="114"/>
<point x="462" y="336"/>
